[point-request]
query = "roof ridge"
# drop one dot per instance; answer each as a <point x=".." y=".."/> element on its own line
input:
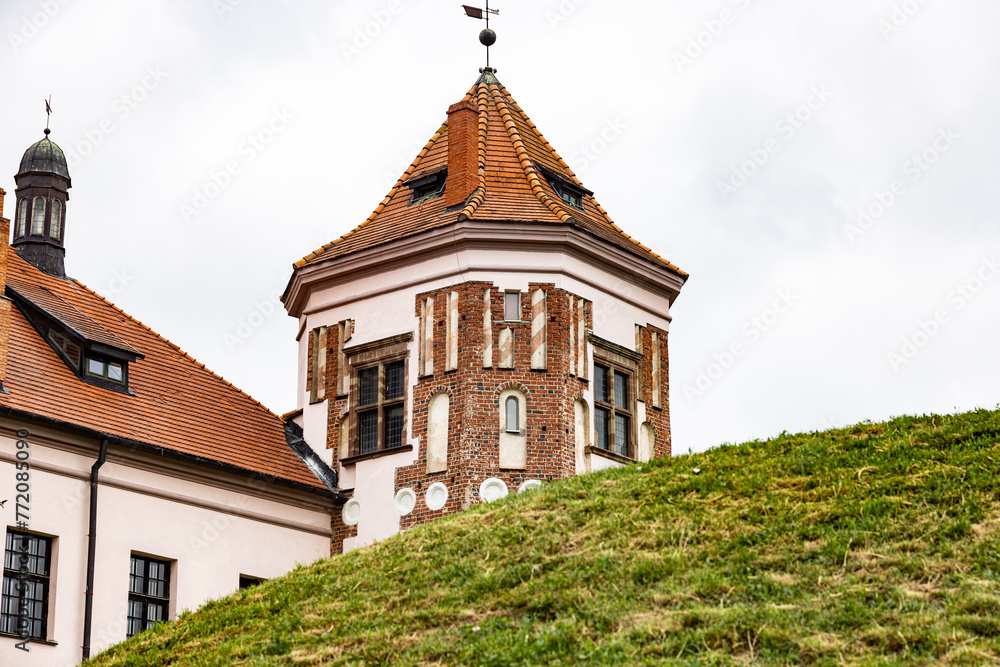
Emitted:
<point x="562" y="163"/>
<point x="177" y="347"/>
<point x="378" y="209"/>
<point x="541" y="136"/>
<point x="479" y="194"/>
<point x="522" y="155"/>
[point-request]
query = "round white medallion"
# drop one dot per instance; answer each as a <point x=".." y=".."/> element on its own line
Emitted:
<point x="492" y="489"/>
<point x="352" y="512"/>
<point x="529" y="484"/>
<point x="405" y="501"/>
<point x="437" y="496"/>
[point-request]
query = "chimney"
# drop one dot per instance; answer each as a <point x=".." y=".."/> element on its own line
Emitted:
<point x="4" y="301"/>
<point x="463" y="152"/>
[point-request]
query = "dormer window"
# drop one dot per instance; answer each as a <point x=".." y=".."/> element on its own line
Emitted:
<point x="571" y="198"/>
<point x="94" y="354"/>
<point x="571" y="193"/>
<point x="109" y="370"/>
<point x="38" y="216"/>
<point x="22" y="217"/>
<point x="55" y="224"/>
<point x="427" y="186"/>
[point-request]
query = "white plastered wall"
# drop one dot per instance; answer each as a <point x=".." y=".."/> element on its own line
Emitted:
<point x="211" y="534"/>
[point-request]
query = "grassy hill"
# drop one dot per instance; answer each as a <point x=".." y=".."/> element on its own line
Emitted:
<point x="875" y="544"/>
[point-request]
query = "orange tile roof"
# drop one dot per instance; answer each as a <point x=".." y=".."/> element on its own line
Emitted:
<point x="178" y="404"/>
<point x="510" y="186"/>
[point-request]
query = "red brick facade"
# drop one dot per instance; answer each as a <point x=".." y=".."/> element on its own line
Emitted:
<point x="474" y="421"/>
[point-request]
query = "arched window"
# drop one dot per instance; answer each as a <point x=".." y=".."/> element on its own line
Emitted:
<point x="38" y="216"/>
<point x="22" y="217"/>
<point x="512" y="409"/>
<point x="55" y="224"/>
<point x="513" y="420"/>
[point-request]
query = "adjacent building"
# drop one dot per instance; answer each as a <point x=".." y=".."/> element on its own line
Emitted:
<point x="486" y="330"/>
<point x="141" y="483"/>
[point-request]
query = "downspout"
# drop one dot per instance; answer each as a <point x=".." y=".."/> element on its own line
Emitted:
<point x="88" y="613"/>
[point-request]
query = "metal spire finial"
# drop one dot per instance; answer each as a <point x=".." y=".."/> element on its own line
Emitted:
<point x="487" y="37"/>
<point x="48" y="114"/>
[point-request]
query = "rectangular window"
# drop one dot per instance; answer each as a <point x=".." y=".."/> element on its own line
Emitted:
<point x="109" y="370"/>
<point x="148" y="593"/>
<point x="22" y="217"/>
<point x="378" y="394"/>
<point x="250" y="582"/>
<point x="24" y="608"/>
<point x="512" y="306"/>
<point x="613" y="409"/>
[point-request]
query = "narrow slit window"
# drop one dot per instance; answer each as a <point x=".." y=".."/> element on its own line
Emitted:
<point x="22" y="217"/>
<point x="55" y="224"/>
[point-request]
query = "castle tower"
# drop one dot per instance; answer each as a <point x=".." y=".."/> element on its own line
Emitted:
<point x="43" y="185"/>
<point x="486" y="330"/>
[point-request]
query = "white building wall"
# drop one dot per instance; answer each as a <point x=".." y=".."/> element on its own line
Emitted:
<point x="211" y="534"/>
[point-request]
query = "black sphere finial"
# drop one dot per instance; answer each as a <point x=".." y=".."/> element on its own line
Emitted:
<point x="487" y="37"/>
<point x="47" y="131"/>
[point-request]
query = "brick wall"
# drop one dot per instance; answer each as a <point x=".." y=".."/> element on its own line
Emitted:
<point x="474" y="420"/>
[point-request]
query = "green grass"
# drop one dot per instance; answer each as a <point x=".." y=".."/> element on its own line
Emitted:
<point x="875" y="544"/>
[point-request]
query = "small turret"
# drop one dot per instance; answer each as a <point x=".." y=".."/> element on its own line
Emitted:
<point x="43" y="185"/>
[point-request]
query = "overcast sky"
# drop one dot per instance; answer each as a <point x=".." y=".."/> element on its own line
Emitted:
<point x="826" y="172"/>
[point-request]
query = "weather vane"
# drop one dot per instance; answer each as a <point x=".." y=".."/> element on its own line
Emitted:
<point x="48" y="113"/>
<point x="487" y="37"/>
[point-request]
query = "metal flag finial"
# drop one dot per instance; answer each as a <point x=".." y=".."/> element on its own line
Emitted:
<point x="487" y="37"/>
<point x="48" y="113"/>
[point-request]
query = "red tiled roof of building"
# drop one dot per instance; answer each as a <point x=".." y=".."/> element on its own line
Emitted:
<point x="512" y="185"/>
<point x="178" y="404"/>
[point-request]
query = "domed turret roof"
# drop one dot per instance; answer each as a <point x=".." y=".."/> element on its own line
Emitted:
<point x="44" y="156"/>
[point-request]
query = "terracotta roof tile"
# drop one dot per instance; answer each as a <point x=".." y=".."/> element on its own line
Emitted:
<point x="178" y="403"/>
<point x="510" y="185"/>
<point x="61" y="310"/>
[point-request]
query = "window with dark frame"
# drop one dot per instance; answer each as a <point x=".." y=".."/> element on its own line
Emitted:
<point x="109" y="370"/>
<point x="22" y="217"/>
<point x="613" y="409"/>
<point x="148" y="593"/>
<point x="380" y="405"/>
<point x="63" y="344"/>
<point x="55" y="222"/>
<point x="568" y="192"/>
<point x="427" y="187"/>
<point x="26" y="598"/>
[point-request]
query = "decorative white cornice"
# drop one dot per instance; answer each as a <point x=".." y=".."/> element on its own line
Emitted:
<point x="475" y="235"/>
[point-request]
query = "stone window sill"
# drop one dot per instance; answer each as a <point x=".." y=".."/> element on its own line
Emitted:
<point x="43" y="642"/>
<point x="603" y="453"/>
<point x="376" y="454"/>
